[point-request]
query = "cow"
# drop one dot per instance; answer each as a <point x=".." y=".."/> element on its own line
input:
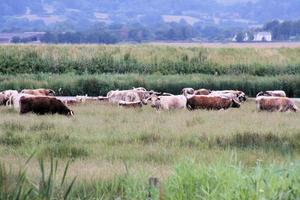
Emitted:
<point x="211" y="102"/>
<point x="186" y="91"/>
<point x="69" y="102"/>
<point x="270" y="103"/>
<point x="81" y="99"/>
<point x="133" y="95"/>
<point x="86" y="99"/>
<point x="5" y="95"/>
<point x="102" y="98"/>
<point x="168" y="102"/>
<point x="239" y="95"/>
<point x="275" y="93"/>
<point x="44" y="105"/>
<point x="136" y="104"/>
<point x="2" y="99"/>
<point x="202" y="92"/>
<point x="14" y="100"/>
<point x="39" y="92"/>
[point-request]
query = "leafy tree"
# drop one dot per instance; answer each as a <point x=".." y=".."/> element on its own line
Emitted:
<point x="16" y="39"/>
<point x="240" y="37"/>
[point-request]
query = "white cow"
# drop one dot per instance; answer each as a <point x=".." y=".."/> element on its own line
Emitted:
<point x="5" y="95"/>
<point x="14" y="100"/>
<point x="168" y="102"/>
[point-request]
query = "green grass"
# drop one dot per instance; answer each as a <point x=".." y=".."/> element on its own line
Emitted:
<point x="232" y="154"/>
<point x="112" y="152"/>
<point x="148" y="59"/>
<point x="94" y="85"/>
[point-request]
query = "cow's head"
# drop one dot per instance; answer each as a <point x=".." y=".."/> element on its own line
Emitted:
<point x="155" y="101"/>
<point x="261" y="93"/>
<point x="70" y="113"/>
<point x="241" y="96"/>
<point x="144" y="101"/>
<point x="235" y="103"/>
<point x="50" y="92"/>
<point x="186" y="91"/>
<point x="294" y="108"/>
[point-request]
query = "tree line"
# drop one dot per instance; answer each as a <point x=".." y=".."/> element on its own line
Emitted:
<point x="286" y="30"/>
<point x="174" y="31"/>
<point x="136" y="32"/>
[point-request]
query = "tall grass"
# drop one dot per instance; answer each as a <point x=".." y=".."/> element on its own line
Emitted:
<point x="223" y="181"/>
<point x="21" y="186"/>
<point x="188" y="180"/>
<point x="71" y="84"/>
<point x="147" y="59"/>
<point x="236" y="154"/>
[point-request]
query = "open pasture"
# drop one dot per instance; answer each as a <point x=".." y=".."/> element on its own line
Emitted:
<point x="115" y="150"/>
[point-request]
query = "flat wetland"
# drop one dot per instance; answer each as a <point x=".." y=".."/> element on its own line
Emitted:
<point x="105" y="141"/>
<point x="112" y="151"/>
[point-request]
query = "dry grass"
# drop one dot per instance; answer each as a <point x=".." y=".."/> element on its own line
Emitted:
<point x="104" y="140"/>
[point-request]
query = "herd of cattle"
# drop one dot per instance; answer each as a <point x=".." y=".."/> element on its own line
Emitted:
<point x="42" y="101"/>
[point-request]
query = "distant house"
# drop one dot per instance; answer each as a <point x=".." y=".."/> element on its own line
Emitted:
<point x="257" y="37"/>
<point x="262" y="36"/>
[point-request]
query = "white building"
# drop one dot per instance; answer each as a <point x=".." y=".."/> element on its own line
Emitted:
<point x="262" y="36"/>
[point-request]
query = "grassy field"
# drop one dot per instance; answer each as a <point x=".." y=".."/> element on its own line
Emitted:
<point x="112" y="152"/>
<point x="148" y="59"/>
<point x="232" y="154"/>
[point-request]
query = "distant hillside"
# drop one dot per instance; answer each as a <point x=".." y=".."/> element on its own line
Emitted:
<point x="62" y="15"/>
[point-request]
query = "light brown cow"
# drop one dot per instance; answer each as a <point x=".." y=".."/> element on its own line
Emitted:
<point x="202" y="92"/>
<point x="281" y="104"/>
<point x="275" y="93"/>
<point x="39" y="92"/>
<point x="168" y="102"/>
<point x="211" y="102"/>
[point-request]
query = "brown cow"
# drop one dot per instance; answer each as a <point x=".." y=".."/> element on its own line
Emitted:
<point x="211" y="102"/>
<point x="281" y="104"/>
<point x="43" y="105"/>
<point x="39" y="92"/>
